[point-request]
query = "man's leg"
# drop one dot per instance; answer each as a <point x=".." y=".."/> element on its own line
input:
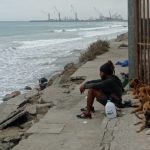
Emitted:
<point x="92" y="94"/>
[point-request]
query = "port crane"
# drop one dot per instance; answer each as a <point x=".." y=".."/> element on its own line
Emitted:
<point x="74" y="12"/>
<point x="100" y="14"/>
<point x="110" y="17"/>
<point x="46" y="13"/>
<point x="58" y="13"/>
<point x="117" y="16"/>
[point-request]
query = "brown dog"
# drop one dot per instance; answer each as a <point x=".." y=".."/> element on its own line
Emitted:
<point x="145" y="118"/>
<point x="136" y="85"/>
<point x="145" y="90"/>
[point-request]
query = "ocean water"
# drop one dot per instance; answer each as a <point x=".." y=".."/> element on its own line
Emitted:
<point x="31" y="50"/>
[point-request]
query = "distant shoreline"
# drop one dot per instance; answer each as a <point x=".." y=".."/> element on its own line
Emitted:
<point x="63" y="21"/>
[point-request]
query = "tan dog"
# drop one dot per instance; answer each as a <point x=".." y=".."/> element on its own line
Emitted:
<point x="146" y="116"/>
<point x="144" y="93"/>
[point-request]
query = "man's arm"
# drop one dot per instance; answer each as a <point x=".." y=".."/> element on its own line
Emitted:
<point x="82" y="89"/>
<point x="93" y="81"/>
<point x="98" y="85"/>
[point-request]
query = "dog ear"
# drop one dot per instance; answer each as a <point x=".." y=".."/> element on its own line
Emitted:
<point x="136" y="80"/>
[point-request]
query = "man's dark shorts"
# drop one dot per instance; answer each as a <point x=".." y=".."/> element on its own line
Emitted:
<point x="104" y="100"/>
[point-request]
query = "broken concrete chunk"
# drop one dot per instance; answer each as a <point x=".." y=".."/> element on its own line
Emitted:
<point x="13" y="118"/>
<point x="43" y="108"/>
<point x="27" y="124"/>
<point x="122" y="37"/>
<point x="19" y="101"/>
<point x="31" y="109"/>
<point x="148" y="132"/>
<point x="13" y="139"/>
<point x="39" y="116"/>
<point x="31" y="94"/>
<point x="12" y="95"/>
<point x="41" y="101"/>
<point x="6" y="146"/>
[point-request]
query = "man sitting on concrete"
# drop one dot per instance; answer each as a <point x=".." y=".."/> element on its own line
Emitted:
<point x="108" y="87"/>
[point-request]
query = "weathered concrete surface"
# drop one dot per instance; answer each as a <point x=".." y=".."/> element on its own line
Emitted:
<point x="52" y="94"/>
<point x="120" y="134"/>
<point x="17" y="101"/>
<point x="61" y="130"/>
<point x="125" y="136"/>
<point x="46" y="128"/>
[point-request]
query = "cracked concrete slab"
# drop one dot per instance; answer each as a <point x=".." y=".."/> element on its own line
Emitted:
<point x="46" y="128"/>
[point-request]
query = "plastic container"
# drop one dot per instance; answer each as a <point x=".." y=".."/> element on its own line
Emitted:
<point x="110" y="110"/>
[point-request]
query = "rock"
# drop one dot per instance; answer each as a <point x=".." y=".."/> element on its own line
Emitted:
<point x="27" y="124"/>
<point x="69" y="69"/>
<point x="14" y="139"/>
<point x="53" y="78"/>
<point x="28" y="88"/>
<point x="6" y="146"/>
<point x="43" y="82"/>
<point x="67" y="91"/>
<point x="43" y="108"/>
<point x="123" y="45"/>
<point x="148" y="132"/>
<point x="40" y="116"/>
<point x="41" y="101"/>
<point x="31" y="109"/>
<point x="12" y="95"/>
<point x="122" y="37"/>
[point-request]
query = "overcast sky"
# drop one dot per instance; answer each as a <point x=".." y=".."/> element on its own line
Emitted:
<point x="38" y="9"/>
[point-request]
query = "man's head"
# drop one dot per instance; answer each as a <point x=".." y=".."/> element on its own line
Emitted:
<point x="107" y="70"/>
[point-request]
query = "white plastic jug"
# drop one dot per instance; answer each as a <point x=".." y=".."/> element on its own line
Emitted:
<point x="110" y="110"/>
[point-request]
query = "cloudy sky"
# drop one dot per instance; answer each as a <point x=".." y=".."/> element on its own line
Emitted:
<point x="38" y="9"/>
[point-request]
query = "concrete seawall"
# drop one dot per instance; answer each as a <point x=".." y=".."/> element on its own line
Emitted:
<point x="59" y="128"/>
